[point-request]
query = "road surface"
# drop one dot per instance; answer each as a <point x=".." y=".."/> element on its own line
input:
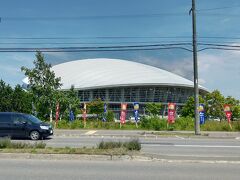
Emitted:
<point x="179" y="147"/>
<point x="117" y="170"/>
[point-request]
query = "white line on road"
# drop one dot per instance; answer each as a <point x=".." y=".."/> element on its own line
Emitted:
<point x="179" y="137"/>
<point x="182" y="145"/>
<point x="90" y="132"/>
<point x="237" y="138"/>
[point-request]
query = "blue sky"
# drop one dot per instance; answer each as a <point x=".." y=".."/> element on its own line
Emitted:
<point x="85" y="20"/>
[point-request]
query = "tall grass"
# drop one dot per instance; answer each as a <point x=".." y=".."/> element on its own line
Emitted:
<point x="130" y="145"/>
<point x="5" y="143"/>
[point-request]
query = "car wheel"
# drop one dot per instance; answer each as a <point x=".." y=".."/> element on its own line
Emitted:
<point x="34" y="135"/>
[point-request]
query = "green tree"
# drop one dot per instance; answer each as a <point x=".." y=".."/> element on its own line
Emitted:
<point x="235" y="106"/>
<point x="153" y="109"/>
<point x="21" y="100"/>
<point x="96" y="107"/>
<point x="42" y="84"/>
<point x="110" y="116"/>
<point x="5" y="97"/>
<point x="214" y="104"/>
<point x="188" y="109"/>
<point x="68" y="100"/>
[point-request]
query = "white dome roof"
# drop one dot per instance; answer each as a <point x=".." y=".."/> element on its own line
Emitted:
<point x="103" y="72"/>
<point x="99" y="73"/>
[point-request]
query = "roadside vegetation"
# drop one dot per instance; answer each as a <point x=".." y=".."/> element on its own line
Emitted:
<point x="152" y="123"/>
<point x="103" y="148"/>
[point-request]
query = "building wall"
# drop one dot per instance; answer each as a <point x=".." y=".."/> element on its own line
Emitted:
<point x="143" y="95"/>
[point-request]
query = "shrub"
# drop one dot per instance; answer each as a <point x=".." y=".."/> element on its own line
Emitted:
<point x="110" y="116"/>
<point x="236" y="125"/>
<point x="184" y="123"/>
<point x="154" y="123"/>
<point x="76" y="124"/>
<point x="5" y="143"/>
<point x="216" y="126"/>
<point x="131" y="145"/>
<point x="63" y="124"/>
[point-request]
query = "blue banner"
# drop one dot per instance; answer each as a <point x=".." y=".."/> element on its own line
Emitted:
<point x="136" y="112"/>
<point x="71" y="115"/>
<point x="202" y="117"/>
<point x="201" y="114"/>
<point x="105" y="113"/>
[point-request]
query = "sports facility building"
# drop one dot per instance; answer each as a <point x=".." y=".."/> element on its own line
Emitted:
<point x="116" y="81"/>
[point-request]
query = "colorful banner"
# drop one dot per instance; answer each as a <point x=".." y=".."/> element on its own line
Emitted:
<point x="71" y="115"/>
<point x="201" y="113"/>
<point x="57" y="111"/>
<point x="105" y="113"/>
<point x="171" y="112"/>
<point x="84" y="112"/>
<point x="228" y="112"/>
<point x="136" y="111"/>
<point x="123" y="113"/>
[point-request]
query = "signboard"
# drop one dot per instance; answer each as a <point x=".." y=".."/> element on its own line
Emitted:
<point x="123" y="113"/>
<point x="136" y="111"/>
<point x="171" y="112"/>
<point x="201" y="113"/>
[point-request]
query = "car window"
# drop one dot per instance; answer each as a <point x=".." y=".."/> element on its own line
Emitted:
<point x="19" y="119"/>
<point x="32" y="119"/>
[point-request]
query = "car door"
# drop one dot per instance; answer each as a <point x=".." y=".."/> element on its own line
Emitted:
<point x="5" y="125"/>
<point x="19" y="125"/>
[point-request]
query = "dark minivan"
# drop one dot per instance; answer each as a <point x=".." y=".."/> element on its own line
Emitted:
<point x="18" y="125"/>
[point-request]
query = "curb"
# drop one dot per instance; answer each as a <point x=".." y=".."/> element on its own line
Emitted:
<point x="84" y="157"/>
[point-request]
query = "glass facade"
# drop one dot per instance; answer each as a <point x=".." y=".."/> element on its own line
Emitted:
<point x="142" y="94"/>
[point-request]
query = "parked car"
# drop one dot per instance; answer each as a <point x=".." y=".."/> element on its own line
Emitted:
<point x="14" y="124"/>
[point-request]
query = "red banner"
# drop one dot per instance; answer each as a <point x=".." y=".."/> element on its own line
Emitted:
<point x="57" y="111"/>
<point x="123" y="113"/>
<point x="171" y="112"/>
<point x="228" y="112"/>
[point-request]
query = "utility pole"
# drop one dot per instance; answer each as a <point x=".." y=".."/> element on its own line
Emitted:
<point x="195" y="69"/>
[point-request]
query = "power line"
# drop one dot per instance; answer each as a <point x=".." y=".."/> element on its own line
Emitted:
<point x="119" y="37"/>
<point x="94" y="43"/>
<point x="153" y="15"/>
<point x="99" y="37"/>
<point x="218" y="8"/>
<point x="219" y="48"/>
<point x="88" y="50"/>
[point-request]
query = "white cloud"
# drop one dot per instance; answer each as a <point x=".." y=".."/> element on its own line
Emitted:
<point x="221" y="70"/>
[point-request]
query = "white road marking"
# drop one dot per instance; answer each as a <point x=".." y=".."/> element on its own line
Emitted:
<point x="237" y="138"/>
<point x="90" y="132"/>
<point x="179" y="137"/>
<point x="182" y="145"/>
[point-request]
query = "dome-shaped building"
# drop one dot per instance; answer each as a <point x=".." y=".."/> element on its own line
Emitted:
<point x="116" y="81"/>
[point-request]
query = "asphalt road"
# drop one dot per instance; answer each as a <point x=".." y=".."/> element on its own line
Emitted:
<point x="176" y="147"/>
<point x="117" y="170"/>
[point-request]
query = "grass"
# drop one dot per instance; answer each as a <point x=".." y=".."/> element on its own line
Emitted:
<point x="152" y="123"/>
<point x="5" y="143"/>
<point x="106" y="148"/>
<point x="130" y="145"/>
